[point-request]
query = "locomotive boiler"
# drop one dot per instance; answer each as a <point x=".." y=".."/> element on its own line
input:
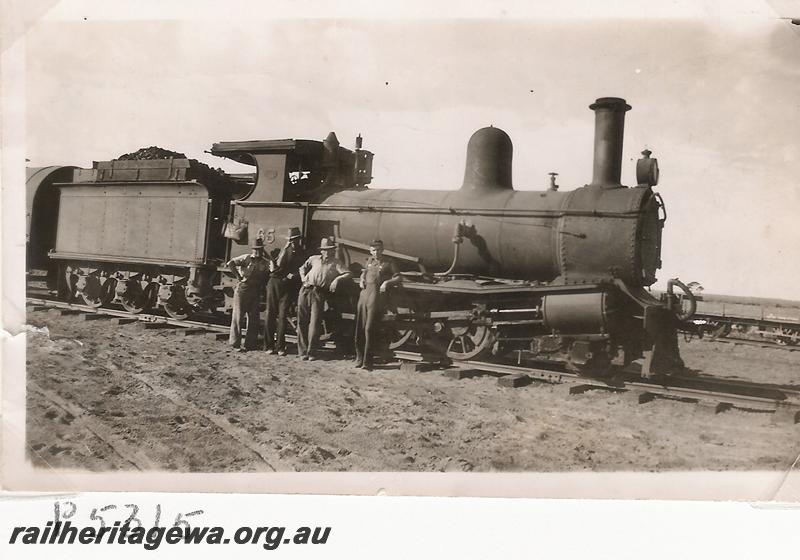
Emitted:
<point x="599" y="232"/>
<point x="552" y="275"/>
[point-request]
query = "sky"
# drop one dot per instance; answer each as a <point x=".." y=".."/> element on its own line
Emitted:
<point x="715" y="96"/>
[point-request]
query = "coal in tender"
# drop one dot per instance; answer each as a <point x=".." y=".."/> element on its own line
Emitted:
<point x="153" y="152"/>
<point x="199" y="169"/>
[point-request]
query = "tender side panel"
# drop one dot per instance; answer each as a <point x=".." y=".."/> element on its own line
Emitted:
<point x="147" y="222"/>
<point x="68" y="236"/>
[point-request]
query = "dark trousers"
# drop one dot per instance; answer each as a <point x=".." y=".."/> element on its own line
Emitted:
<point x="368" y="324"/>
<point x="245" y="305"/>
<point x="310" y="306"/>
<point x="279" y="297"/>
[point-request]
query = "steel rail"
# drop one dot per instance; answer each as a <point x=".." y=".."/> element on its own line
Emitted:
<point x="142" y="317"/>
<point x="733" y="392"/>
<point x="757" y="343"/>
<point x="724" y="393"/>
<point x="787" y="322"/>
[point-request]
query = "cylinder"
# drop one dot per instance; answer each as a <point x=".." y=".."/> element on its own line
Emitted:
<point x="576" y="313"/>
<point x="489" y="154"/>
<point x="609" y="130"/>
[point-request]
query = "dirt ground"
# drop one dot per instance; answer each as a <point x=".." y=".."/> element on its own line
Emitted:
<point x="104" y="397"/>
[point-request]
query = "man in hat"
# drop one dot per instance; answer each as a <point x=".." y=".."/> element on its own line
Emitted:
<point x="378" y="274"/>
<point x="320" y="275"/>
<point x="251" y="274"/>
<point x="282" y="289"/>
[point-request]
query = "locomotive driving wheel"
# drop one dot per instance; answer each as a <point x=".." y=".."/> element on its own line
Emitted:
<point x="291" y="319"/>
<point x="468" y="342"/>
<point x="397" y="337"/>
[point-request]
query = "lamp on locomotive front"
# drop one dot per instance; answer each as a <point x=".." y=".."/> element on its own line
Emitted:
<point x="647" y="169"/>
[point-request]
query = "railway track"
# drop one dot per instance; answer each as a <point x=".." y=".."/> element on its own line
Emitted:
<point x="44" y="294"/>
<point x="781" y="401"/>
<point x="757" y="343"/>
<point x="749" y="331"/>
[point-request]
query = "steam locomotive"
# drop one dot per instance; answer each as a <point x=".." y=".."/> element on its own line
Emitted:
<point x="555" y="275"/>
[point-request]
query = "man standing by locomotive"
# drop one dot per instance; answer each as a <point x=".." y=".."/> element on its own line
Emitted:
<point x="320" y="275"/>
<point x="251" y="273"/>
<point x="378" y="274"/>
<point x="282" y="289"/>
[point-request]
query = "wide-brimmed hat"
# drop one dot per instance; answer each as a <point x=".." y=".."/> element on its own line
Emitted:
<point x="258" y="243"/>
<point x="294" y="233"/>
<point x="327" y="243"/>
<point x="376" y="243"/>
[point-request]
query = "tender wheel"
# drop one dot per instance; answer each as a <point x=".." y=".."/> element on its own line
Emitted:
<point x="173" y="300"/>
<point x="94" y="293"/>
<point x="67" y="280"/>
<point x="469" y="342"/>
<point x="133" y="298"/>
<point x="178" y="310"/>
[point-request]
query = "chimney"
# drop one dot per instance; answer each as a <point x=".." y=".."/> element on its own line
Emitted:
<point x="609" y="129"/>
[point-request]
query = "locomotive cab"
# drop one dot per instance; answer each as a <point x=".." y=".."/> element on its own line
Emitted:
<point x="290" y="175"/>
<point x="299" y="170"/>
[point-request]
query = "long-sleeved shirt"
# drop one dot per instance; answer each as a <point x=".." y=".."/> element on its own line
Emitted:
<point x="316" y="272"/>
